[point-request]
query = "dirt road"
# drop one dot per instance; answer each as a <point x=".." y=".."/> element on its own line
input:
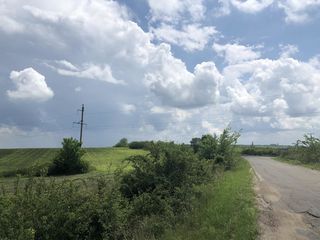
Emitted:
<point x="288" y="198"/>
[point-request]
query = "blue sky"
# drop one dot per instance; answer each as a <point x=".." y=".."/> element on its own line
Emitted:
<point x="148" y="69"/>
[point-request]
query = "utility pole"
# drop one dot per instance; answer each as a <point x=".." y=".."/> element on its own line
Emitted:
<point x="81" y="123"/>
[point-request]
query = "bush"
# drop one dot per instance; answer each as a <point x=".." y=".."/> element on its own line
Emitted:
<point x="122" y="143"/>
<point x="262" y="151"/>
<point x="220" y="150"/>
<point x="161" y="183"/>
<point x="49" y="210"/>
<point x="140" y="145"/>
<point x="68" y="160"/>
<point x="306" y="150"/>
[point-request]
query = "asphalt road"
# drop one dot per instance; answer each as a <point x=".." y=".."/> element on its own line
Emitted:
<point x="292" y="192"/>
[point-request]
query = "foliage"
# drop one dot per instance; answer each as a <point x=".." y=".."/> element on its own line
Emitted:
<point x="161" y="183"/>
<point x="68" y="160"/>
<point x="225" y="210"/>
<point x="123" y="142"/>
<point x="51" y="210"/>
<point x="263" y="151"/>
<point x="306" y="150"/>
<point x="140" y="145"/>
<point x="220" y="150"/>
<point x="154" y="193"/>
<point x="195" y="144"/>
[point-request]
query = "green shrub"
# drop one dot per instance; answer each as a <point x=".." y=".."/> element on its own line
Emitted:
<point x="220" y="150"/>
<point x="68" y="160"/>
<point x="139" y="145"/>
<point x="49" y="210"/>
<point x="305" y="151"/>
<point x="122" y="143"/>
<point x="161" y="183"/>
<point x="262" y="151"/>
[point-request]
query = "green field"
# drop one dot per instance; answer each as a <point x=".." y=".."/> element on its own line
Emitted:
<point x="13" y="160"/>
<point x="100" y="159"/>
<point x="109" y="159"/>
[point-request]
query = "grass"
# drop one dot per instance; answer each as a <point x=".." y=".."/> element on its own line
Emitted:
<point x="315" y="166"/>
<point x="227" y="210"/>
<point x="13" y="160"/>
<point x="102" y="160"/>
<point x="109" y="159"/>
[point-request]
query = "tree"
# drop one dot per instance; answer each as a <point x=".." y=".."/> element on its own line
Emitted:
<point x="122" y="143"/>
<point x="219" y="149"/>
<point x="195" y="144"/>
<point x="68" y="160"/>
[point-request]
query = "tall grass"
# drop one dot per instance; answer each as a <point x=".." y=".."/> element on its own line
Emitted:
<point x="225" y="211"/>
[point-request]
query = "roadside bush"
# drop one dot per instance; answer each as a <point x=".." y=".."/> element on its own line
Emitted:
<point x="49" y="210"/>
<point x="68" y="160"/>
<point x="305" y="151"/>
<point x="262" y="151"/>
<point x="161" y="183"/>
<point x="122" y="143"/>
<point x="220" y="150"/>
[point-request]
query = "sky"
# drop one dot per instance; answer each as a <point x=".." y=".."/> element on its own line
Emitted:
<point x="158" y="70"/>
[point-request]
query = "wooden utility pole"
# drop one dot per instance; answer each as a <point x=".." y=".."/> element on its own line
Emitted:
<point x="81" y="123"/>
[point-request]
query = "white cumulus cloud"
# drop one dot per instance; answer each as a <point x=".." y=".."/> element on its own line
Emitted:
<point x="174" y="10"/>
<point x="296" y="11"/>
<point x="30" y="85"/>
<point x="280" y="89"/>
<point x="288" y="50"/>
<point x="191" y="37"/>
<point x="170" y="81"/>
<point x="299" y="11"/>
<point x="88" y="70"/>
<point x="247" y="6"/>
<point x="235" y="53"/>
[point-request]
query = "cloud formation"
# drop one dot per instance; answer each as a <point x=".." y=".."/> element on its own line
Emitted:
<point x="174" y="10"/>
<point x="280" y="89"/>
<point x="30" y="85"/>
<point x="295" y="11"/>
<point x="163" y="75"/>
<point x="235" y="53"/>
<point x="88" y="70"/>
<point x="175" y="86"/>
<point x="191" y="37"/>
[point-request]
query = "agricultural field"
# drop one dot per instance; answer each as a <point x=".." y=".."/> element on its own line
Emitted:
<point x="101" y="160"/>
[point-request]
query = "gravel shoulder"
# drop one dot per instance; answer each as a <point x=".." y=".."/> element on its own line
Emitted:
<point x="288" y="198"/>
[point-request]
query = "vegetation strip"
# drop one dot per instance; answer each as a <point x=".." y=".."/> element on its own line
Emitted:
<point x="226" y="211"/>
<point x="305" y="152"/>
<point x="153" y="195"/>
